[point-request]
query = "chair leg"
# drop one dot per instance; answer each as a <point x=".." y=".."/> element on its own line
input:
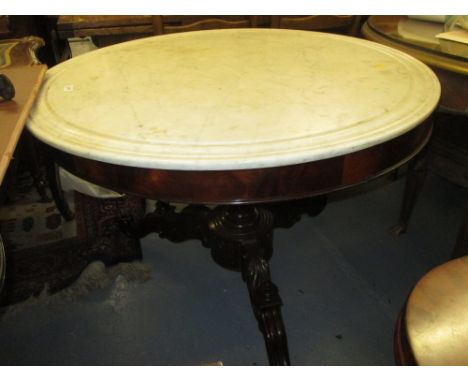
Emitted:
<point x="34" y="168"/>
<point x="393" y="175"/>
<point x="417" y="171"/>
<point x="461" y="245"/>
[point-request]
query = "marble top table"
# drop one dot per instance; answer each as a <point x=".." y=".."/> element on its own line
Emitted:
<point x="236" y="117"/>
<point x="217" y="100"/>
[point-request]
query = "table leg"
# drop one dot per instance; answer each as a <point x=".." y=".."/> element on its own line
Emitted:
<point x="417" y="170"/>
<point x="241" y="239"/>
<point x="249" y="229"/>
<point x="266" y="304"/>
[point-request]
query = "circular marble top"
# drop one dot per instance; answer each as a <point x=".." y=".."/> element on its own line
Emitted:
<point x="232" y="99"/>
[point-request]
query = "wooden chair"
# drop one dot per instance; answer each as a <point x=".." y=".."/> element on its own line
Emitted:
<point x="432" y="329"/>
<point x="176" y="24"/>
<point x="338" y="24"/>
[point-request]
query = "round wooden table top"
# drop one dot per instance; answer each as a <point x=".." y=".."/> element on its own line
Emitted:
<point x="437" y="315"/>
<point x="232" y="99"/>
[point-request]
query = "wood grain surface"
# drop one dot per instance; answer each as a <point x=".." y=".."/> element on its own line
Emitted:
<point x="22" y="68"/>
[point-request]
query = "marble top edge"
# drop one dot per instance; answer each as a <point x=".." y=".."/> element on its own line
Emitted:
<point x="148" y="151"/>
<point x="217" y="162"/>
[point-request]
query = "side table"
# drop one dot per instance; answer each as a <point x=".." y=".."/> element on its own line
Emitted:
<point x="244" y="119"/>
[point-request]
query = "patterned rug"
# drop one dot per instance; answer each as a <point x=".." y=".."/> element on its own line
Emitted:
<point x="44" y="252"/>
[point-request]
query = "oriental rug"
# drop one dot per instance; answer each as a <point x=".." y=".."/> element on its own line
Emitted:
<point x="45" y="252"/>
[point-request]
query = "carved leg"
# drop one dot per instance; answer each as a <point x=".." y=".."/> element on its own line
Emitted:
<point x="266" y="303"/>
<point x="53" y="179"/>
<point x="417" y="170"/>
<point x="190" y="223"/>
<point x="248" y="231"/>
<point x="115" y="243"/>
<point x="240" y="238"/>
<point x="286" y="214"/>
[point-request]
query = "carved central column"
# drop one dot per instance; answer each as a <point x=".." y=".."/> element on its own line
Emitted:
<point x="237" y="226"/>
<point x="244" y="242"/>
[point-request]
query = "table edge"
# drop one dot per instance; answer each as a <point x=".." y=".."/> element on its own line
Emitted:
<point x="260" y="185"/>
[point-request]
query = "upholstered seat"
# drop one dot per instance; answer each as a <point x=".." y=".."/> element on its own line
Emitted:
<point x="433" y="327"/>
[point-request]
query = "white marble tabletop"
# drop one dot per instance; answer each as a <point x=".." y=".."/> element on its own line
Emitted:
<point x="232" y="99"/>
